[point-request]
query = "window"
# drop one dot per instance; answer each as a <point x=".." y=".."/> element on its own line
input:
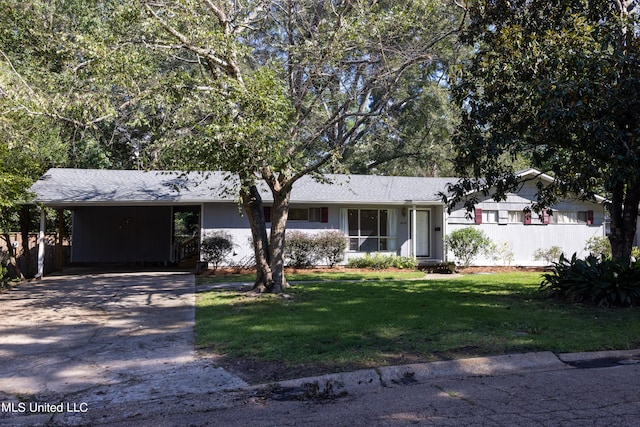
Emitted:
<point x="298" y="214"/>
<point x="516" y="217"/>
<point x="302" y="214"/>
<point x="370" y="230"/>
<point x="315" y="214"/>
<point x="490" y="216"/>
<point x="573" y="217"/>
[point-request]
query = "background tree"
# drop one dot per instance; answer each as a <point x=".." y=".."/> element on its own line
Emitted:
<point x="556" y="83"/>
<point x="414" y="138"/>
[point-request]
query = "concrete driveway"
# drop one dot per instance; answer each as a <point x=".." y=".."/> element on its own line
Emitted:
<point x="71" y="338"/>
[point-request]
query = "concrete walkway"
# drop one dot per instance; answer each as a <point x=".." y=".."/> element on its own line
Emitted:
<point x="102" y="339"/>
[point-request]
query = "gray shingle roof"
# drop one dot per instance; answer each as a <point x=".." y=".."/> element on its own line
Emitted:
<point x="60" y="187"/>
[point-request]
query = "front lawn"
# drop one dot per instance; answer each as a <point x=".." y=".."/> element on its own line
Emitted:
<point x="323" y="325"/>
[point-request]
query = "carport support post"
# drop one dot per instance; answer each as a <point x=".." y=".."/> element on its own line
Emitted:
<point x="43" y="217"/>
<point x="59" y="240"/>
<point x="414" y="233"/>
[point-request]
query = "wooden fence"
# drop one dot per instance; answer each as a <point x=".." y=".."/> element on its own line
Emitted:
<point x="56" y="255"/>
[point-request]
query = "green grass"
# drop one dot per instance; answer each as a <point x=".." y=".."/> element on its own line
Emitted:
<point x="345" y="325"/>
<point x="316" y="276"/>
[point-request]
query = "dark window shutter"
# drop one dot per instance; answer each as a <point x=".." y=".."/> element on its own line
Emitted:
<point x="527" y="217"/>
<point x="267" y="214"/>
<point x="589" y="217"/>
<point x="478" y="216"/>
<point x="545" y="217"/>
<point x="324" y="214"/>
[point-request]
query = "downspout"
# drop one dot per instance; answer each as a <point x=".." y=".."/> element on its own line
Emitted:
<point x="40" y="272"/>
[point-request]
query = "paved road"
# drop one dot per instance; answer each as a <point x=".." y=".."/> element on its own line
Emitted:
<point x="117" y="349"/>
<point x="566" y="397"/>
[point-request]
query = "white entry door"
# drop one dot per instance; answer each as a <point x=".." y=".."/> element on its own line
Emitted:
<point x="423" y="247"/>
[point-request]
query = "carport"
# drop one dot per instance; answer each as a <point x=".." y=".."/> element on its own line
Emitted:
<point x="123" y="217"/>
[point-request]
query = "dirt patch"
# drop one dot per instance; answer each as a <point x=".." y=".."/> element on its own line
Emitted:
<point x="255" y="371"/>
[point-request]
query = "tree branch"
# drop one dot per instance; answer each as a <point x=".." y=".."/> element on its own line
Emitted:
<point x="215" y="62"/>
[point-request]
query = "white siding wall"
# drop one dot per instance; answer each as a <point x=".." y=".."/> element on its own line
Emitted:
<point x="524" y="240"/>
<point x="227" y="218"/>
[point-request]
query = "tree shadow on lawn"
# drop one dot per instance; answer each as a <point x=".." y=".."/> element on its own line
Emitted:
<point x="337" y="326"/>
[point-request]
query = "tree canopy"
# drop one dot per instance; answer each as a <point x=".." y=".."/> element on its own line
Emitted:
<point x="269" y="90"/>
<point x="555" y="83"/>
<point x="285" y="89"/>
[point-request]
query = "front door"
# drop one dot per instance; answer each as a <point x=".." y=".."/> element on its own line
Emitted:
<point x="423" y="247"/>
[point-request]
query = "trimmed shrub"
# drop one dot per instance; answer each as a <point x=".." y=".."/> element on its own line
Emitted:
<point x="300" y="249"/>
<point x="602" y="282"/>
<point x="306" y="250"/>
<point x="467" y="243"/>
<point x="601" y="246"/>
<point x="379" y="261"/>
<point x="216" y="247"/>
<point x="331" y="246"/>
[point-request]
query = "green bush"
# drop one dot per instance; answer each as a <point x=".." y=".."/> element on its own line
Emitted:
<point x="599" y="246"/>
<point x="467" y="243"/>
<point x="4" y="272"/>
<point x="379" y="261"/>
<point x="549" y="256"/>
<point x="501" y="252"/>
<point x="300" y="249"/>
<point x="306" y="250"/>
<point x="216" y="247"/>
<point x="331" y="245"/>
<point x="602" y="282"/>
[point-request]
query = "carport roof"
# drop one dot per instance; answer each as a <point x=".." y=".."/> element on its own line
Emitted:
<point x="76" y="187"/>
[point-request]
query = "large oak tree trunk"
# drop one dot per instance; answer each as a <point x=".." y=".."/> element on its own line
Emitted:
<point x="624" y="217"/>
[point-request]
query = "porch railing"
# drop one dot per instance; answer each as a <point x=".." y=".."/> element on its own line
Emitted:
<point x="187" y="249"/>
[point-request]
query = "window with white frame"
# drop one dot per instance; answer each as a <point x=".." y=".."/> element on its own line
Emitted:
<point x="516" y="217"/>
<point x="571" y="217"/>
<point x="370" y="230"/>
<point x="489" y="216"/>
